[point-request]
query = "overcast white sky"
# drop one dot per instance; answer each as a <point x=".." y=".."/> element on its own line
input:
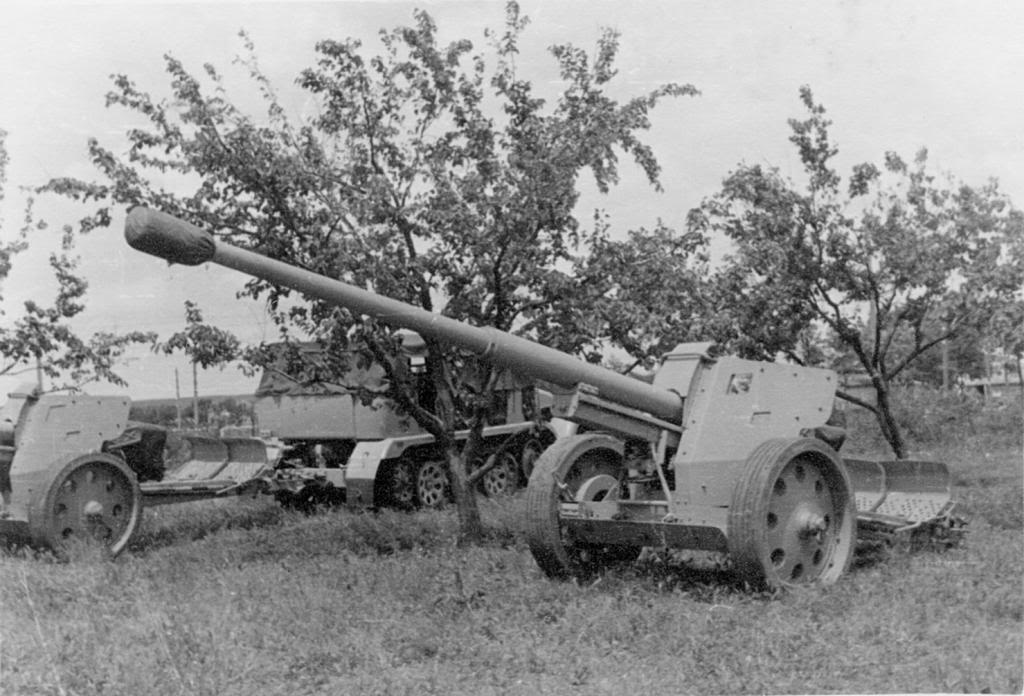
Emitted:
<point x="899" y="76"/>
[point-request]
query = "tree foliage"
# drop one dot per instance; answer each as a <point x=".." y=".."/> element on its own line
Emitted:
<point x="205" y="345"/>
<point x="894" y="264"/>
<point x="1006" y="330"/>
<point x="430" y="173"/>
<point x="41" y="335"/>
<point x="640" y="295"/>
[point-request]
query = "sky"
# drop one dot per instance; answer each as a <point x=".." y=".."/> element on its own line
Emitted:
<point x="899" y="76"/>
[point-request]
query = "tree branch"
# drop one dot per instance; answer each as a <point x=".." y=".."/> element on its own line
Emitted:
<point x="859" y="402"/>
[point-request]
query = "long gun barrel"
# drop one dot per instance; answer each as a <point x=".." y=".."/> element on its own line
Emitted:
<point x="177" y="241"/>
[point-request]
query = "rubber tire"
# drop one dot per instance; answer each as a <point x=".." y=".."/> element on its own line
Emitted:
<point x="571" y="461"/>
<point x="44" y="526"/>
<point x="529" y="453"/>
<point x="749" y="549"/>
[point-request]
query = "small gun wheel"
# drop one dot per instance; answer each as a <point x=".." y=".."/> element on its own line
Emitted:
<point x="94" y="500"/>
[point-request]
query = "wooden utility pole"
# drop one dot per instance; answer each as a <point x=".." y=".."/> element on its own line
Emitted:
<point x="945" y="364"/>
<point x="177" y="397"/>
<point x="195" y="394"/>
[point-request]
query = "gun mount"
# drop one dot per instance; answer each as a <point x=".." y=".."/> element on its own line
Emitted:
<point x="718" y="454"/>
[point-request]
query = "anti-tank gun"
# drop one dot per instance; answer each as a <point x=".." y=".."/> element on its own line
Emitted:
<point x="75" y="470"/>
<point x="718" y="453"/>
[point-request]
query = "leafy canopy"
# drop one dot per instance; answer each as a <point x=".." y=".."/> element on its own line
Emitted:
<point x="205" y="345"/>
<point x="424" y="176"/>
<point x="42" y="335"/>
<point x="430" y="173"/>
<point x="893" y="264"/>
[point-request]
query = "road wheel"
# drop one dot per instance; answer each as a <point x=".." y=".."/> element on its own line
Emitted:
<point x="433" y="488"/>
<point x="94" y="499"/>
<point x="574" y="469"/>
<point x="503" y="478"/>
<point x="792" y="519"/>
<point x="399" y="484"/>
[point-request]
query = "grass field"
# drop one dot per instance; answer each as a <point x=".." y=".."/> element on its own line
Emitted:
<point x="240" y="597"/>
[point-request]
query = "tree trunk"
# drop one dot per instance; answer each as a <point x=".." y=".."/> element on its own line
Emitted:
<point x="177" y="398"/>
<point x="945" y="365"/>
<point x="890" y="429"/>
<point x="1020" y="381"/>
<point x="195" y="394"/>
<point x="471" y="528"/>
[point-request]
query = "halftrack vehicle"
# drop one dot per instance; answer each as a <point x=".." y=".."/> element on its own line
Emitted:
<point x="337" y="445"/>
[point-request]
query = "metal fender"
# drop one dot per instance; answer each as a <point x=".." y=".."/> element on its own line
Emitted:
<point x="361" y="472"/>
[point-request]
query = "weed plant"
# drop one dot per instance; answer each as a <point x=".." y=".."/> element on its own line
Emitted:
<point x="242" y="597"/>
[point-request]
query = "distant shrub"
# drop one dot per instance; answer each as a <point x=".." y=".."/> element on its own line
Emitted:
<point x="931" y="417"/>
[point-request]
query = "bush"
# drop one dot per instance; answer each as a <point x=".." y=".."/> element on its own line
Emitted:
<point x="930" y="418"/>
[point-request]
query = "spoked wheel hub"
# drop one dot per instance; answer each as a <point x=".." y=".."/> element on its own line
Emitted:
<point x="792" y="519"/>
<point x="94" y="499"/>
<point x="501" y="478"/>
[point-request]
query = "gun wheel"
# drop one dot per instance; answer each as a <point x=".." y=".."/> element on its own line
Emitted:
<point x="575" y="469"/>
<point x="93" y="500"/>
<point x="528" y="456"/>
<point x="502" y="478"/>
<point x="792" y="520"/>
<point x="432" y="485"/>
